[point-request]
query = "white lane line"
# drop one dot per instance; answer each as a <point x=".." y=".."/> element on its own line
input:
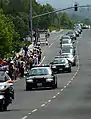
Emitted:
<point x="29" y="113"/>
<point x="25" y="117"/>
<point x="54" y="97"/>
<point x="42" y="59"/>
<point x="51" y="44"/>
<point x="34" y="110"/>
<point x="64" y="86"/>
<point x="73" y="78"/>
<point x="43" y="105"/>
<point x="58" y="93"/>
<point x="54" y="41"/>
<point x="46" y="103"/>
<point x="49" y="100"/>
<point x="62" y="89"/>
<point x="69" y="82"/>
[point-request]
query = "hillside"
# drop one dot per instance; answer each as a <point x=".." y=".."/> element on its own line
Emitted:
<point x="82" y="13"/>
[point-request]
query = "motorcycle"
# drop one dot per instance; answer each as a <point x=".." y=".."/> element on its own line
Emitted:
<point x="6" y="94"/>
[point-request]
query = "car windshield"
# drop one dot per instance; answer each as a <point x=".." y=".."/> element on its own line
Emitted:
<point x="65" y="50"/>
<point x="65" y="41"/>
<point x="70" y="32"/>
<point x="59" y="61"/>
<point x="65" y="37"/>
<point x="67" y="47"/>
<point x="39" y="71"/>
<point x="68" y="55"/>
<point x="2" y="76"/>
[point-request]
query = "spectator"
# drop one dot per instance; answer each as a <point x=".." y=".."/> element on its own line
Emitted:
<point x="25" y="50"/>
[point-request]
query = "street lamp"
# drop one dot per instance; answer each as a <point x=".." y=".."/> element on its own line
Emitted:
<point x="31" y="18"/>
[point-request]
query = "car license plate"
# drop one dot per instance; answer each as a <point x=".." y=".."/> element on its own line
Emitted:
<point x="39" y="84"/>
<point x="60" y="69"/>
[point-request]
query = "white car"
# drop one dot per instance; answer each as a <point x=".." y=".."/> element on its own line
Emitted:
<point x="66" y="42"/>
<point x="70" y="57"/>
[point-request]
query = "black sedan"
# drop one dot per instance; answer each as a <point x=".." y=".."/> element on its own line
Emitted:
<point x="60" y="64"/>
<point x="41" y="76"/>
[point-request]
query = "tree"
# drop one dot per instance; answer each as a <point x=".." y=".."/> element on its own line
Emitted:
<point x="66" y="22"/>
<point x="7" y="34"/>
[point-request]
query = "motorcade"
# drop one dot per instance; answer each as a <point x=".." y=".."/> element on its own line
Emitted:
<point x="6" y="90"/>
<point x="41" y="76"/>
<point x="71" y="58"/>
<point x="60" y="64"/>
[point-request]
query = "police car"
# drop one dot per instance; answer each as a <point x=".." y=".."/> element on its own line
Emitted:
<point x="60" y="64"/>
<point x="41" y="76"/>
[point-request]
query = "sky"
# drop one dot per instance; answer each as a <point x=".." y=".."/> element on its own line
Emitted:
<point x="64" y="3"/>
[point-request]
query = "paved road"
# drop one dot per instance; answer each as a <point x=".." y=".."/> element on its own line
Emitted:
<point x="65" y="103"/>
<point x="74" y="101"/>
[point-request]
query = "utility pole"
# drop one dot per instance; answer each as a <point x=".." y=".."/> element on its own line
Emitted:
<point x="1" y="4"/>
<point x="31" y="19"/>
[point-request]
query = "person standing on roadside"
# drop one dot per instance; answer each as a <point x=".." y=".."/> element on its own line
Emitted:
<point x="35" y="58"/>
<point x="25" y="50"/>
<point x="35" y="37"/>
<point x="21" y="69"/>
<point x="31" y="61"/>
<point x="11" y="70"/>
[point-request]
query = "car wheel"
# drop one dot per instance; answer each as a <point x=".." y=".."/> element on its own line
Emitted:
<point x="28" y="88"/>
<point x="74" y="64"/>
<point x="5" y="108"/>
<point x="62" y="71"/>
<point x="77" y="35"/>
<point x="69" y="70"/>
<point x="55" y="85"/>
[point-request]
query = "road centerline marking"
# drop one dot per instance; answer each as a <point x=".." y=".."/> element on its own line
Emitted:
<point x="43" y="105"/>
<point x="42" y="59"/>
<point x="34" y="110"/>
<point x="25" y="117"/>
<point x="49" y="100"/>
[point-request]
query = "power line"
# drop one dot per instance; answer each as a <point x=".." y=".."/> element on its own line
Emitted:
<point x="47" y="13"/>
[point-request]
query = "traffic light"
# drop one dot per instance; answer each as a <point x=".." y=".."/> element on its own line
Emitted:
<point x="76" y="7"/>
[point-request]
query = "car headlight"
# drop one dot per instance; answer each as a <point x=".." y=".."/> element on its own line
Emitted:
<point x="49" y="80"/>
<point x="67" y="65"/>
<point x="29" y="80"/>
<point x="2" y="87"/>
<point x="53" y="66"/>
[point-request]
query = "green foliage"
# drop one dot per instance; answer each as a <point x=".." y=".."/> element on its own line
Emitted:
<point x="7" y="34"/>
<point x="14" y="22"/>
<point x="52" y="28"/>
<point x="66" y="22"/>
